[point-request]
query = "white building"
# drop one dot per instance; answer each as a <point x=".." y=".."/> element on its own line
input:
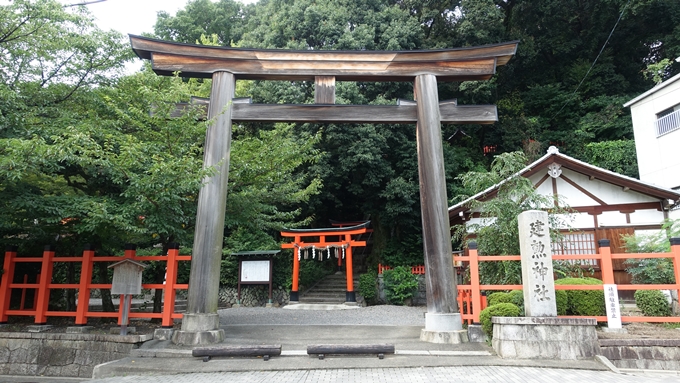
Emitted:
<point x="605" y="204"/>
<point x="656" y="123"/>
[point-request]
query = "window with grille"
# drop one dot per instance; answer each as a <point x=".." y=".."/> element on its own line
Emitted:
<point x="574" y="244"/>
<point x="667" y="120"/>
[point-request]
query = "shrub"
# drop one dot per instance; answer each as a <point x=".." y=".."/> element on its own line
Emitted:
<point x="652" y="303"/>
<point x="497" y="310"/>
<point x="583" y="302"/>
<point x="561" y="302"/>
<point x="516" y="297"/>
<point x="656" y="271"/>
<point x="498" y="297"/>
<point x="400" y="284"/>
<point x="368" y="287"/>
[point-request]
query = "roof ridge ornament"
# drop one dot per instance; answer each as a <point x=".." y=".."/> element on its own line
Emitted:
<point x="553" y="150"/>
<point x="554" y="170"/>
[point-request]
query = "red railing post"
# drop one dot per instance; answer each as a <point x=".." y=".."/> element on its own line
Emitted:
<point x="606" y="264"/>
<point x="84" y="288"/>
<point x="474" y="283"/>
<point x="170" y="282"/>
<point x="675" y="250"/>
<point x="7" y="279"/>
<point x="294" y="293"/>
<point x="350" y="295"/>
<point x="44" y="286"/>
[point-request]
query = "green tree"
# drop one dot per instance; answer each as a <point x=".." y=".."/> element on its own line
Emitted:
<point x="618" y="156"/>
<point x="223" y="19"/>
<point x="498" y="232"/>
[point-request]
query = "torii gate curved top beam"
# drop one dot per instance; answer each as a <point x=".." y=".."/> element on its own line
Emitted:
<point x="461" y="64"/>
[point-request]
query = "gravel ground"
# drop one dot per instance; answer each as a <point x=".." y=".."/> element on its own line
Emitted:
<point x="372" y="315"/>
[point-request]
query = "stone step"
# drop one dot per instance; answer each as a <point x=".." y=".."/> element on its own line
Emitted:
<point x="328" y="290"/>
<point x="323" y="301"/>
<point x="323" y="296"/>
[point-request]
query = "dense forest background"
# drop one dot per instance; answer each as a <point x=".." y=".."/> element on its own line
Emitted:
<point x="82" y="159"/>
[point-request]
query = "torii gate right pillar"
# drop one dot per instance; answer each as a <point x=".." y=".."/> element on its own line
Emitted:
<point x="442" y="320"/>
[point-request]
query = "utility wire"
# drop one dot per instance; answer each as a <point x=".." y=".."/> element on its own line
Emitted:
<point x="595" y="61"/>
<point x="83" y="3"/>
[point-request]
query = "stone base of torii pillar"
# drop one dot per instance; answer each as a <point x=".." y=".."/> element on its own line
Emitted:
<point x="443" y="328"/>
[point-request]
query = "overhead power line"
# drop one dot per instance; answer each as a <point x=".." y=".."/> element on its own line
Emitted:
<point x="594" y="61"/>
<point x="84" y="3"/>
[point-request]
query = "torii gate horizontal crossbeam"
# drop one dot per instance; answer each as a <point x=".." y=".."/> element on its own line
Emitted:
<point x="460" y="64"/>
<point x="353" y="114"/>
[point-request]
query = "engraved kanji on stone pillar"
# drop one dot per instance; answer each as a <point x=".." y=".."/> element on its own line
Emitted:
<point x="537" y="268"/>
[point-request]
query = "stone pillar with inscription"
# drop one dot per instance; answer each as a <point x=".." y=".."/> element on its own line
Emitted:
<point x="537" y="268"/>
<point x="541" y="334"/>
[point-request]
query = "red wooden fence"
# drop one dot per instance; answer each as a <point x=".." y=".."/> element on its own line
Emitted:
<point x="464" y="295"/>
<point x="44" y="284"/>
<point x="471" y="301"/>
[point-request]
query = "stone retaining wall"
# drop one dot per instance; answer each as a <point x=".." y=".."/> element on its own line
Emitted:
<point x="545" y="338"/>
<point x="649" y="354"/>
<point x="64" y="355"/>
<point x="254" y="296"/>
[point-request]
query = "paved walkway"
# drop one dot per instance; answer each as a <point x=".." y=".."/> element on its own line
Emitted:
<point x="463" y="374"/>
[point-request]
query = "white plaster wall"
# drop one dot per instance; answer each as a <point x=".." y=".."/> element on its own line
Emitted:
<point x="649" y="216"/>
<point x="658" y="160"/>
<point x="674" y="214"/>
<point x="582" y="221"/>
<point x="610" y="194"/>
<point x="611" y="218"/>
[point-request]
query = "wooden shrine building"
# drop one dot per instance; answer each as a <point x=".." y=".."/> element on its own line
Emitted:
<point x="423" y="68"/>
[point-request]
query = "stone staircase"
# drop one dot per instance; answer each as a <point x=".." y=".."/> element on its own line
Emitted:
<point x="330" y="290"/>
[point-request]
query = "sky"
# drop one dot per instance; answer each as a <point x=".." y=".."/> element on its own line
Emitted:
<point x="131" y="16"/>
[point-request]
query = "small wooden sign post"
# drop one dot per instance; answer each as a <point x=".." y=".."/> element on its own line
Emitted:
<point x="127" y="280"/>
<point x="255" y="268"/>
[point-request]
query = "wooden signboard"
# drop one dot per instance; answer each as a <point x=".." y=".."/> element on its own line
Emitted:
<point x="255" y="268"/>
<point x="256" y="271"/>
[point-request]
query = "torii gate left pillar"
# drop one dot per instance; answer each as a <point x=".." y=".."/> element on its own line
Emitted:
<point x="201" y="323"/>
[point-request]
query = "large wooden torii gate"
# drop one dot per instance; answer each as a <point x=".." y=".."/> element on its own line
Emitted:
<point x="425" y="68"/>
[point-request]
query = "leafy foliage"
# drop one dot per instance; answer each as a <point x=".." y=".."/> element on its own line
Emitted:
<point x="651" y="270"/>
<point x="497" y="310"/>
<point x="368" y="286"/>
<point x="584" y="302"/>
<point x="400" y="284"/>
<point x="82" y="160"/>
<point x="652" y="303"/>
<point x="618" y="156"/>
<point x="498" y="232"/>
<point x="516" y="297"/>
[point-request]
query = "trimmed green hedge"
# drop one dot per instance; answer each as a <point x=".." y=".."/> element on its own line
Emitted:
<point x="652" y="303"/>
<point x="583" y="302"/>
<point x="516" y="297"/>
<point x="497" y="310"/>
<point x="498" y="297"/>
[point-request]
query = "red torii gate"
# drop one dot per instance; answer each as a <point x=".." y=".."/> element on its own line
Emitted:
<point x="342" y="248"/>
